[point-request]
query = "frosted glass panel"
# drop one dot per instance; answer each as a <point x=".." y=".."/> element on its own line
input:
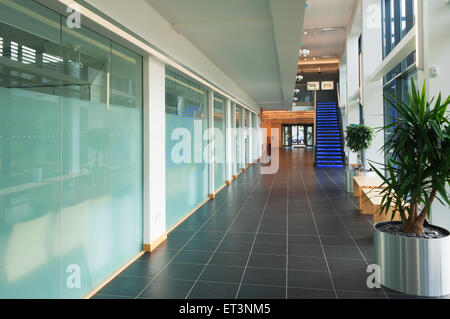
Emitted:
<point x="85" y="178"/>
<point x="186" y="170"/>
<point x="70" y="167"/>
<point x="220" y="145"/>
<point x="126" y="153"/>
<point x="29" y="154"/>
<point x="29" y="225"/>
<point x="238" y="139"/>
<point x="246" y="137"/>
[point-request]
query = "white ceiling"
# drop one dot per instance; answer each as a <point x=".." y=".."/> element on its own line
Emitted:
<point x="255" y="42"/>
<point x="327" y="13"/>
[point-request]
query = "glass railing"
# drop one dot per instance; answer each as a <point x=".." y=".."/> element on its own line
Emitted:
<point x="304" y="98"/>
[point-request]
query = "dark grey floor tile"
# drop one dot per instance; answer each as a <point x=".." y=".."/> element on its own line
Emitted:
<point x="342" y="252"/>
<point x="160" y="255"/>
<point x="309" y="279"/>
<point x="166" y="288"/>
<point x="267" y="261"/>
<point x="240" y="237"/>
<point x="261" y="292"/>
<point x="303" y="240"/>
<point x="269" y="249"/>
<point x="229" y="259"/>
<point x="305" y="251"/>
<point x="360" y="295"/>
<point x="222" y="274"/>
<point x="143" y="269"/>
<point x="125" y="286"/>
<point x="205" y="245"/>
<point x="193" y="257"/>
<point x="271" y="277"/>
<point x="301" y="293"/>
<point x="181" y="271"/>
<point x="209" y="290"/>
<point x="235" y="247"/>
<point x="352" y="282"/>
<point x="209" y="235"/>
<point x="337" y="241"/>
<point x="264" y="229"/>
<point x="271" y="238"/>
<point x="347" y="265"/>
<point x="307" y="263"/>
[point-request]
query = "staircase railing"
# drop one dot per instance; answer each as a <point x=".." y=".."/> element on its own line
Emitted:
<point x="315" y="127"/>
<point x="341" y="130"/>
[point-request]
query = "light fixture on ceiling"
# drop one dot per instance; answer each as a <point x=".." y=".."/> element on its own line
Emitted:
<point x="299" y="78"/>
<point x="304" y="52"/>
<point x="324" y="29"/>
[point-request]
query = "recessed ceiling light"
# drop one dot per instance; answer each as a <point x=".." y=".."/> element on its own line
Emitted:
<point x="305" y="33"/>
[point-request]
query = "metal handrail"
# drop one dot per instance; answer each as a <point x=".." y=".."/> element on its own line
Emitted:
<point x="315" y="127"/>
<point x="341" y="129"/>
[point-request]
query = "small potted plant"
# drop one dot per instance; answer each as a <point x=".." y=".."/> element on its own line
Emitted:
<point x="358" y="138"/>
<point x="414" y="256"/>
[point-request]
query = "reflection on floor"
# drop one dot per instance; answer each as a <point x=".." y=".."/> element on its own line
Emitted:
<point x="295" y="234"/>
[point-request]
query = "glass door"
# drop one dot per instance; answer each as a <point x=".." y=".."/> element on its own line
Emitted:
<point x="309" y="135"/>
<point x="298" y="135"/>
<point x="287" y="136"/>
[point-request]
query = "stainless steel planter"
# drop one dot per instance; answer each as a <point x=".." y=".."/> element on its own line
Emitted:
<point x="414" y="266"/>
<point x="349" y="174"/>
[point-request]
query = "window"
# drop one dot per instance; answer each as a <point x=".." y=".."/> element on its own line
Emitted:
<point x="397" y="20"/>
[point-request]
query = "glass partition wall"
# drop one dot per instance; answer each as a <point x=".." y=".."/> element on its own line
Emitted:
<point x="238" y="139"/>
<point x="186" y="124"/>
<point x="219" y="141"/>
<point x="70" y="155"/>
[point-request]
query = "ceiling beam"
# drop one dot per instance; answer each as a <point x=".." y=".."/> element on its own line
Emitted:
<point x="288" y="18"/>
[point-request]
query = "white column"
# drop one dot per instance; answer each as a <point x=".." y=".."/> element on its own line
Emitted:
<point x="235" y="134"/>
<point x="436" y="47"/>
<point x="211" y="142"/>
<point x="260" y="136"/>
<point x="352" y="85"/>
<point x="250" y="137"/>
<point x="372" y="91"/>
<point x="154" y="154"/>
<point x="229" y="142"/>
<point x="241" y="120"/>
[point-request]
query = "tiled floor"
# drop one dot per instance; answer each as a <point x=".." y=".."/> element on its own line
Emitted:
<point x="295" y="234"/>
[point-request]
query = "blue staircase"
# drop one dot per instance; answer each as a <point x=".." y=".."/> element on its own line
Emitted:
<point x="329" y="151"/>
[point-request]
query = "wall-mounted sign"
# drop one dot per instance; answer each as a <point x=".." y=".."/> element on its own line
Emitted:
<point x="313" y="86"/>
<point x="327" y="85"/>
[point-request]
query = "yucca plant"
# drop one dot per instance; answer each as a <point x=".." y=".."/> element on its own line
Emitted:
<point x="419" y="171"/>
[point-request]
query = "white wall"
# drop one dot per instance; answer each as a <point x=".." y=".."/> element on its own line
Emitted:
<point x="352" y="75"/>
<point x="372" y="91"/>
<point x="437" y="50"/>
<point x="142" y="19"/>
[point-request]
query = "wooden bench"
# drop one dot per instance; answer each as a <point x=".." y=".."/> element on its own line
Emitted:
<point x="370" y="204"/>
<point x="362" y="182"/>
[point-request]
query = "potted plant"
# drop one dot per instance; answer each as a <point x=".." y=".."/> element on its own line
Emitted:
<point x="358" y="138"/>
<point x="414" y="256"/>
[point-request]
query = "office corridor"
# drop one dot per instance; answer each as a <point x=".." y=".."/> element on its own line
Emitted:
<point x="295" y="234"/>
